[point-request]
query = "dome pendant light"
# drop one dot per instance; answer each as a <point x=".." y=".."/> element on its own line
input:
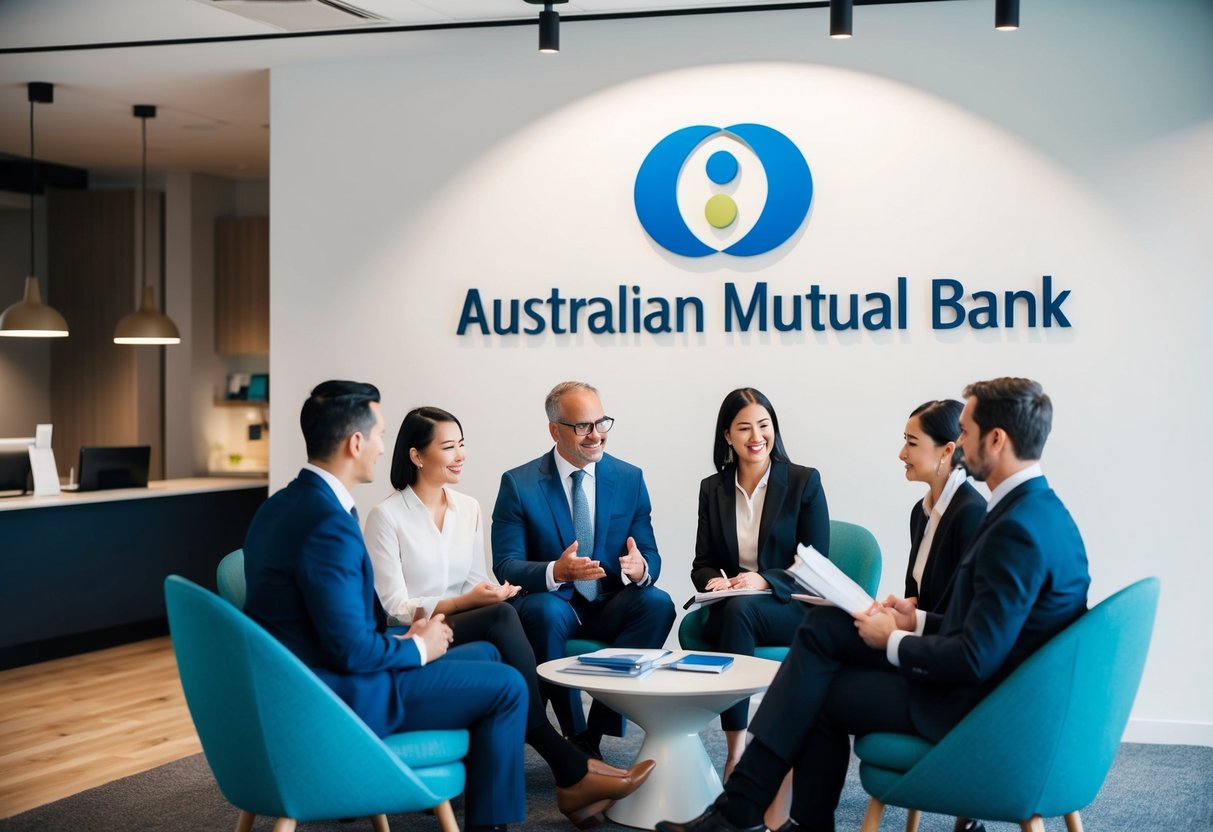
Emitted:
<point x="146" y="325"/>
<point x="30" y="317"/>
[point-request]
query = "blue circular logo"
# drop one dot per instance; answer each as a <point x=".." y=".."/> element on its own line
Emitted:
<point x="789" y="189"/>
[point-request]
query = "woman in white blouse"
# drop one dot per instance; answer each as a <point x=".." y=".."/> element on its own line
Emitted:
<point x="427" y="546"/>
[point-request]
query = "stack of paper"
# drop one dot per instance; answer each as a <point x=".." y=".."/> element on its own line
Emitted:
<point x="820" y="577"/>
<point x="617" y="661"/>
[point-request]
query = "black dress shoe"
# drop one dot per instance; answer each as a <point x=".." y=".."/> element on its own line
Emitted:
<point x="710" y="821"/>
<point x="588" y="744"/>
<point x="791" y="826"/>
<point x="969" y="825"/>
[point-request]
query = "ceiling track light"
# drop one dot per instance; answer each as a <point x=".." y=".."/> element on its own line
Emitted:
<point x="30" y="317"/>
<point x="1006" y="15"/>
<point x="146" y="325"/>
<point x="840" y="18"/>
<point x="549" y="25"/>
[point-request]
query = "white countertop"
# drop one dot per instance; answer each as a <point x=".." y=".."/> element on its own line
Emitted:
<point x="156" y="488"/>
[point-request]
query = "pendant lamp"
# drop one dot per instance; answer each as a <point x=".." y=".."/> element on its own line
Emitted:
<point x="30" y="317"/>
<point x="146" y="325"/>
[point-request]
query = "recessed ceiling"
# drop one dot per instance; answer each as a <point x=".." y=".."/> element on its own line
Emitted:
<point x="106" y="55"/>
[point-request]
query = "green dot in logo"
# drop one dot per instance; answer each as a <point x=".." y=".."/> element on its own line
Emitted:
<point x="721" y="210"/>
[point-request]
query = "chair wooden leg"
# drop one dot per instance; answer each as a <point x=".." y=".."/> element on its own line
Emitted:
<point x="446" y="817"/>
<point x="1073" y="822"/>
<point x="245" y="822"/>
<point x="1033" y="824"/>
<point x="285" y="825"/>
<point x="379" y="822"/>
<point x="912" y="819"/>
<point x="871" y="819"/>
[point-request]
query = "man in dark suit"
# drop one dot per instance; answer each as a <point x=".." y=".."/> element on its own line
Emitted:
<point x="1023" y="579"/>
<point x="311" y="586"/>
<point x="572" y="529"/>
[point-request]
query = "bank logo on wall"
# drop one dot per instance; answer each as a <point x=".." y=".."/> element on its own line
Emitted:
<point x="789" y="189"/>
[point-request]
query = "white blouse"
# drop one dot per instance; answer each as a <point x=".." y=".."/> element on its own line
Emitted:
<point x="416" y="566"/>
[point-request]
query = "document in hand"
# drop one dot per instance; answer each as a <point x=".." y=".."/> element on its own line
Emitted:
<point x="701" y="663"/>
<point x="705" y="598"/>
<point x="817" y="574"/>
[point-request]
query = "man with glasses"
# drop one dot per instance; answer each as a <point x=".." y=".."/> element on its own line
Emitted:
<point x="572" y="529"/>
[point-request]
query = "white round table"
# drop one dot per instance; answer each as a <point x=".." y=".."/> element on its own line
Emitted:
<point x="672" y="706"/>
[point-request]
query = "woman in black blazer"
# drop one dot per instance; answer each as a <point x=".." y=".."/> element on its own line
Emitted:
<point x="752" y="514"/>
<point x="943" y="523"/>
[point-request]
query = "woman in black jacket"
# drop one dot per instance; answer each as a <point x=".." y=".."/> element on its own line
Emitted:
<point x="752" y="514"/>
<point x="942" y="523"/>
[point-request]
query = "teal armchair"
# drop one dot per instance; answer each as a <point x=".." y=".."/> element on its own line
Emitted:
<point x="855" y="551"/>
<point x="1041" y="744"/>
<point x="281" y="743"/>
<point x="229" y="578"/>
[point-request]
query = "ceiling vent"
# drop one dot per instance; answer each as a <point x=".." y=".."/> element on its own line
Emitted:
<point x="299" y="15"/>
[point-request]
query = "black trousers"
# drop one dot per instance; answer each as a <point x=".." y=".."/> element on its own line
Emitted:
<point x="829" y="687"/>
<point x="740" y="625"/>
<point x="498" y="624"/>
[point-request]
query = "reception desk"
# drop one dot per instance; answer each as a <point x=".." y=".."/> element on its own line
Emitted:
<point x="84" y="571"/>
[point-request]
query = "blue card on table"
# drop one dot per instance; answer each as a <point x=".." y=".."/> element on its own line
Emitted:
<point x="703" y="664"/>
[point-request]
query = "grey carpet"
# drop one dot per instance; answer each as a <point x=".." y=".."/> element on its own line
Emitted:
<point x="1151" y="787"/>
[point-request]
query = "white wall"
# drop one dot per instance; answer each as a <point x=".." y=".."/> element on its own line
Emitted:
<point x="1077" y="147"/>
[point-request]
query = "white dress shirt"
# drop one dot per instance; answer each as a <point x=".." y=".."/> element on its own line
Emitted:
<point x="590" y="486"/>
<point x="1004" y="488"/>
<point x="934" y="514"/>
<point x="416" y="565"/>
<point x="749" y="520"/>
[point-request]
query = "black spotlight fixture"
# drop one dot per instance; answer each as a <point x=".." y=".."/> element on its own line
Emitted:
<point x="549" y="25"/>
<point x="840" y="18"/>
<point x="1006" y="15"/>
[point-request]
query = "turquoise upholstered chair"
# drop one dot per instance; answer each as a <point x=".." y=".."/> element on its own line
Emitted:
<point x="1041" y="744"/>
<point x="281" y="743"/>
<point x="229" y="577"/>
<point x="855" y="551"/>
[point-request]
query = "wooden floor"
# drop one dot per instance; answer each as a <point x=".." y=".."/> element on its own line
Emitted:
<point x="71" y="724"/>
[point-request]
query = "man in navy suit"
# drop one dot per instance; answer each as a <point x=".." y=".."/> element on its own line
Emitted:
<point x="572" y="529"/>
<point x="311" y="586"/>
<point x="1023" y="579"/>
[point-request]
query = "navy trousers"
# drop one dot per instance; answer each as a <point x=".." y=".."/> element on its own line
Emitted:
<point x="635" y="616"/>
<point x="470" y="688"/>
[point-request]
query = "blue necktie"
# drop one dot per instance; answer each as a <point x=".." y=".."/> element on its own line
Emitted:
<point x="585" y="534"/>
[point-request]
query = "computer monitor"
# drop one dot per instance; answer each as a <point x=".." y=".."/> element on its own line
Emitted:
<point x="16" y="477"/>
<point x="114" y="467"/>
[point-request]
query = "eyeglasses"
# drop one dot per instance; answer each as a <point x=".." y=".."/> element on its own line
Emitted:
<point x="583" y="428"/>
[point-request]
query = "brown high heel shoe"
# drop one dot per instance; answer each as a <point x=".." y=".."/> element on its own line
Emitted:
<point x="584" y="802"/>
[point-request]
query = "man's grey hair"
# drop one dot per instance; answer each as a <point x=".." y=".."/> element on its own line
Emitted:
<point x="552" y="403"/>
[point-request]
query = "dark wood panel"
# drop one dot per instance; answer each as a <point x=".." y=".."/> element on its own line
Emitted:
<point x="242" y="286"/>
<point x="96" y="385"/>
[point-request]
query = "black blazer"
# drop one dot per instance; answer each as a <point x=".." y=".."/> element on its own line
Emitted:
<point x="793" y="512"/>
<point x="954" y="534"/>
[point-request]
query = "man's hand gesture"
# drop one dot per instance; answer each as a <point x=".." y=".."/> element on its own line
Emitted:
<point x="570" y="567"/>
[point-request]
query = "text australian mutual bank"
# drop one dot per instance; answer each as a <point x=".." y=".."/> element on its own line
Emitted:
<point x="758" y="309"/>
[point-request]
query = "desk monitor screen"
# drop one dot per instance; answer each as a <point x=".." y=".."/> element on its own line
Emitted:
<point x="114" y="467"/>
<point x="15" y="476"/>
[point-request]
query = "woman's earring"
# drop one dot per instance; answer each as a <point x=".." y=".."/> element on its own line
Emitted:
<point x="729" y="457"/>
<point x="939" y="467"/>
